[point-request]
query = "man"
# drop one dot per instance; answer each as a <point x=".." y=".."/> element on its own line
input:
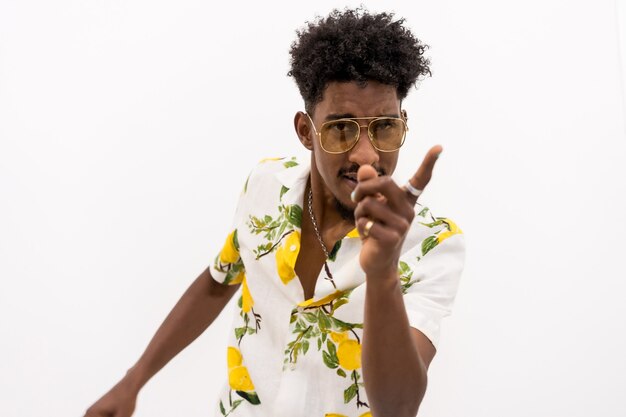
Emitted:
<point x="343" y="282"/>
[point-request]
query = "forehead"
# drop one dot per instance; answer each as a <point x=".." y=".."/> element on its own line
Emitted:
<point x="350" y="98"/>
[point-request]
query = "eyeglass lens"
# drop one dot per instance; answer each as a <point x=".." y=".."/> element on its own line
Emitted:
<point x="387" y="134"/>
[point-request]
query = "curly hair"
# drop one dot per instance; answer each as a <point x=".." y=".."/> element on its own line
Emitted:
<point x="355" y="45"/>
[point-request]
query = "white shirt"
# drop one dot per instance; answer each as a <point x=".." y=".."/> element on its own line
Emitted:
<point x="288" y="356"/>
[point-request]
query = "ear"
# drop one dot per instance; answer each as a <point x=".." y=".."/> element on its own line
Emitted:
<point x="302" y="124"/>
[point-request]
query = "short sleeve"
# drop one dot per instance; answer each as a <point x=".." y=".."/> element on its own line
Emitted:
<point x="430" y="272"/>
<point x="228" y="267"/>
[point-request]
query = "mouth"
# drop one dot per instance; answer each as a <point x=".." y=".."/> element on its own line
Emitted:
<point x="349" y="175"/>
<point x="349" y="179"/>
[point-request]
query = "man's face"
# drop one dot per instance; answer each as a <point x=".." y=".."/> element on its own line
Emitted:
<point x="338" y="171"/>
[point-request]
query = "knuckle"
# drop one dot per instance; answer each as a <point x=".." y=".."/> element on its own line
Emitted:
<point x="396" y="235"/>
<point x="386" y="181"/>
<point x="404" y="225"/>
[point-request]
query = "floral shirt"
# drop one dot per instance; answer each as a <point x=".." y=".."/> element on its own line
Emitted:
<point x="288" y="356"/>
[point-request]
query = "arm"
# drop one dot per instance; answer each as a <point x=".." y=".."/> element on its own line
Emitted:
<point x="395" y="357"/>
<point x="201" y="303"/>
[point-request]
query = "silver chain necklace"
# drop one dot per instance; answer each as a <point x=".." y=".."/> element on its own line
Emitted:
<point x="317" y="232"/>
<point x="329" y="276"/>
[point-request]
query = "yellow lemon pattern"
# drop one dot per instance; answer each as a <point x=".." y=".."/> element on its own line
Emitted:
<point x="322" y="301"/>
<point x="349" y="355"/>
<point x="230" y="251"/>
<point x="239" y="379"/>
<point x="450" y="229"/>
<point x="229" y="261"/>
<point x="286" y="256"/>
<point x="251" y="319"/>
<point x="339" y="337"/>
<point x="453" y="229"/>
<point x="246" y="299"/>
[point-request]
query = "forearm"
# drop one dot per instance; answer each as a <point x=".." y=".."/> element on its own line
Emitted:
<point x="193" y="313"/>
<point x="393" y="371"/>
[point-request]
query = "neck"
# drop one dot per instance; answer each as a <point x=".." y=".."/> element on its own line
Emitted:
<point x="333" y="220"/>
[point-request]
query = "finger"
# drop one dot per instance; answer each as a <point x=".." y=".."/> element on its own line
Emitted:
<point x="365" y="173"/>
<point x="373" y="209"/>
<point x="424" y="173"/>
<point x="385" y="190"/>
<point x="376" y="231"/>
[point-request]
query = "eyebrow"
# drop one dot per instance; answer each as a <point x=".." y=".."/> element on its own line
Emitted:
<point x="336" y="116"/>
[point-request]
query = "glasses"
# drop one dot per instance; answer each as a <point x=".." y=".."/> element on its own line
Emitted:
<point x="386" y="134"/>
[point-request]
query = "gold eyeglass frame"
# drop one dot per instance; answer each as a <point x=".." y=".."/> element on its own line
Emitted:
<point x="404" y="119"/>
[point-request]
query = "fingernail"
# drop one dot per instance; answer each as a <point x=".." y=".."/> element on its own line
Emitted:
<point x="353" y="196"/>
<point x="439" y="154"/>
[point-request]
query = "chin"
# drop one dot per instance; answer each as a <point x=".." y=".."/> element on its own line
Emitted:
<point x="346" y="211"/>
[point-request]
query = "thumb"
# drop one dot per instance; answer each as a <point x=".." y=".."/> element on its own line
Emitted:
<point x="366" y="172"/>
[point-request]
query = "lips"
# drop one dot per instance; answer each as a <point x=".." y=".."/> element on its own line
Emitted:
<point x="349" y="177"/>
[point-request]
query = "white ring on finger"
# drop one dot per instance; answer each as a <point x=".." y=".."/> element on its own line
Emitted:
<point x="412" y="190"/>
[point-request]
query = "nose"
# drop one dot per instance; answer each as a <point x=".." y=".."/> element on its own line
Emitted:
<point x="363" y="153"/>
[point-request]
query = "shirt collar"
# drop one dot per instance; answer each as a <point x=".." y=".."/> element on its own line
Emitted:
<point x="294" y="179"/>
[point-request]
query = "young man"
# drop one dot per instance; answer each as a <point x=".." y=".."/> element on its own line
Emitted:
<point x="343" y="281"/>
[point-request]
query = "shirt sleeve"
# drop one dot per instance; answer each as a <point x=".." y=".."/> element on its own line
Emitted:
<point x="430" y="273"/>
<point x="228" y="267"/>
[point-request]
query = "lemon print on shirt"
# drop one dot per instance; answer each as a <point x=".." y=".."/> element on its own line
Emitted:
<point x="349" y="354"/>
<point x="286" y="256"/>
<point x="238" y="376"/>
<point x="453" y="229"/>
<point x="230" y="250"/>
<point x="246" y="299"/>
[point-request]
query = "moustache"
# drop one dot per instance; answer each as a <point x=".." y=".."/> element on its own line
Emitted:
<point x="351" y="170"/>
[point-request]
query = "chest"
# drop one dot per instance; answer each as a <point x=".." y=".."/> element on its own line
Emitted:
<point x="309" y="263"/>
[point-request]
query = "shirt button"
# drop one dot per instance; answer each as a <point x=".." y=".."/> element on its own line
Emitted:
<point x="293" y="248"/>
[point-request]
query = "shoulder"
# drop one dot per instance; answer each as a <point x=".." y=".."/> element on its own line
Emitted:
<point x="265" y="175"/>
<point x="429" y="230"/>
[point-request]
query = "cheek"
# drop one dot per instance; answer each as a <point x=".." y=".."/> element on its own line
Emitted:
<point x="328" y="165"/>
<point x="389" y="162"/>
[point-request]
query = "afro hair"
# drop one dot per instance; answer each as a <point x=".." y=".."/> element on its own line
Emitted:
<point x="354" y="45"/>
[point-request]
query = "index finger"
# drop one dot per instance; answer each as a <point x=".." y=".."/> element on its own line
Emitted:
<point x="422" y="177"/>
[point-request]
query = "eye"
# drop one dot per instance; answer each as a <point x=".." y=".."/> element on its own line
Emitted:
<point x="340" y="126"/>
<point x="384" y="124"/>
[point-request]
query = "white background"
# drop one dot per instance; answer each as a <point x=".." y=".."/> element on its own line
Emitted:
<point x="127" y="129"/>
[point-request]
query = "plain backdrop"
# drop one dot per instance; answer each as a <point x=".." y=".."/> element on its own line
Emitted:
<point x="127" y="129"/>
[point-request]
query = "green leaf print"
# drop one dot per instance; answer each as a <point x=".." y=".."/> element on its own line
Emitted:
<point x="310" y="317"/>
<point x="333" y="253"/>
<point x="338" y="304"/>
<point x="429" y="243"/>
<point x="283" y="190"/>
<point x="341" y="373"/>
<point x="239" y="332"/>
<point x="350" y="393"/>
<point x="323" y="320"/>
<point x="294" y="214"/>
<point x="290" y="163"/>
<point x="328" y="360"/>
<point x="404" y="269"/>
<point x="251" y="397"/>
<point x="434" y="224"/>
<point x="332" y="351"/>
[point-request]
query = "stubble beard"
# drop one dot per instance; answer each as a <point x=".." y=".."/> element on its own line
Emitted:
<point x="344" y="211"/>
